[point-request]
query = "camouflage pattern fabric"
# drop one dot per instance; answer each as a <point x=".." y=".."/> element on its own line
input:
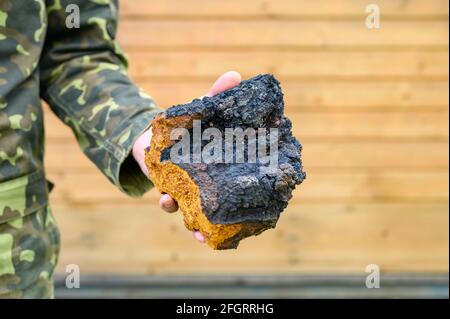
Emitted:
<point x="81" y="74"/>
<point x="29" y="249"/>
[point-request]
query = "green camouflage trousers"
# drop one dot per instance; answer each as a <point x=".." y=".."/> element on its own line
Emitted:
<point x="29" y="248"/>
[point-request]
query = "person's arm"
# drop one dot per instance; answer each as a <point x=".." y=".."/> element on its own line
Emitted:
<point x="85" y="82"/>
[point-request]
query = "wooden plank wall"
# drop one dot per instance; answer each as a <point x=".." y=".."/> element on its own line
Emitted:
<point x="370" y="107"/>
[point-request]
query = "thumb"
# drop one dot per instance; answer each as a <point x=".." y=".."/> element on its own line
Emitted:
<point x="226" y="81"/>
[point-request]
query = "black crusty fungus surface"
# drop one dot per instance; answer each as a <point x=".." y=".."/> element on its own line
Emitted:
<point x="241" y="192"/>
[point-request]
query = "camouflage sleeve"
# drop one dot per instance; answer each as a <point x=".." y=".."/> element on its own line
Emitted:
<point x="84" y="80"/>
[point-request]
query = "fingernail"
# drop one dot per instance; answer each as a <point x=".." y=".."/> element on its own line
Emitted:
<point x="168" y="205"/>
<point x="198" y="235"/>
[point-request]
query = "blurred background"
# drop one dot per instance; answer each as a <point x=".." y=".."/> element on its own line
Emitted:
<point x="370" y="107"/>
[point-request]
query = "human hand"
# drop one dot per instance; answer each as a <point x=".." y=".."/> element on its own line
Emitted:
<point x="226" y="81"/>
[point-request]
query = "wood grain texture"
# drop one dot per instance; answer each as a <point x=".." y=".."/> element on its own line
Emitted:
<point x="280" y="8"/>
<point x="309" y="238"/>
<point x="177" y="34"/>
<point x="370" y="107"/>
<point x="289" y="64"/>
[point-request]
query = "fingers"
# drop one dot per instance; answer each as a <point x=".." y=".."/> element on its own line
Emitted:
<point x="198" y="235"/>
<point x="138" y="151"/>
<point x="168" y="204"/>
<point x="226" y="81"/>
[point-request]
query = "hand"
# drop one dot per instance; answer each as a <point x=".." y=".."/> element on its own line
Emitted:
<point x="227" y="81"/>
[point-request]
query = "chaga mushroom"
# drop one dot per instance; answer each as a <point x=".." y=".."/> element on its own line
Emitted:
<point x="230" y="161"/>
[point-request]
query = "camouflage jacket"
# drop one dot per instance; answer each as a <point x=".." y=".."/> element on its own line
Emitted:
<point x="81" y="73"/>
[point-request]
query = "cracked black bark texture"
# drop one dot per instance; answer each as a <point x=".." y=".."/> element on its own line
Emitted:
<point x="240" y="192"/>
